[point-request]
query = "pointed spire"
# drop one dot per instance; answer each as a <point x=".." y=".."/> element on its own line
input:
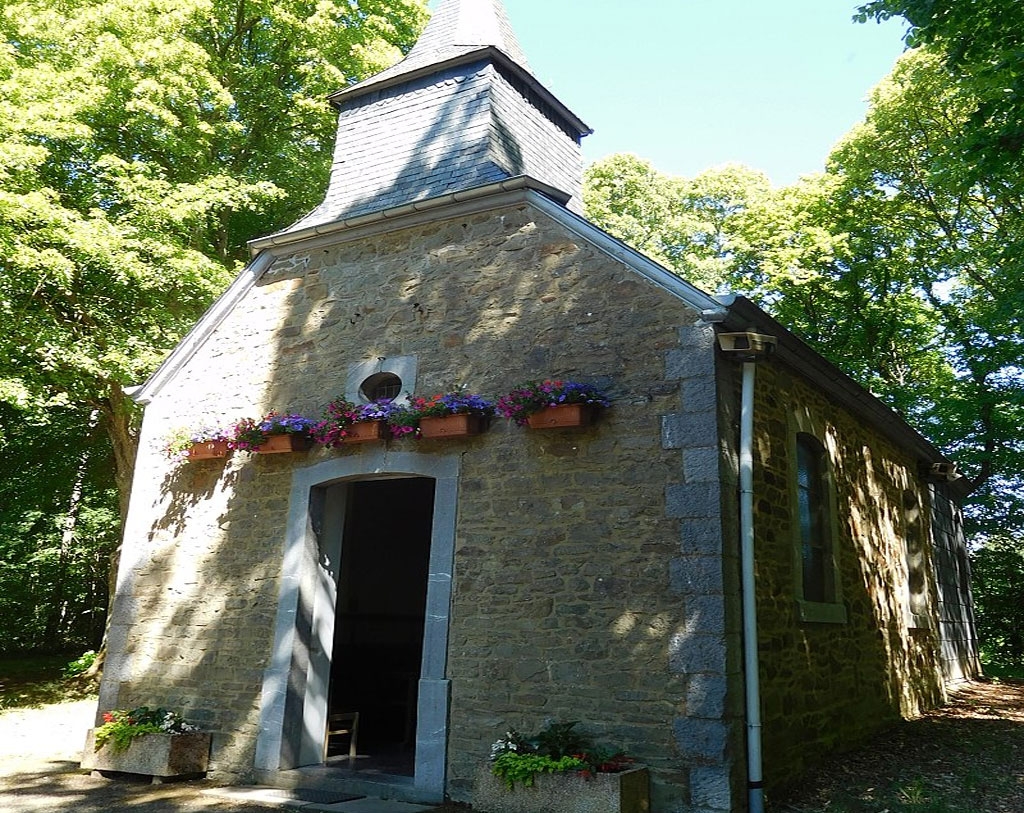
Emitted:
<point x="466" y="24"/>
<point x="457" y="28"/>
<point x="460" y="112"/>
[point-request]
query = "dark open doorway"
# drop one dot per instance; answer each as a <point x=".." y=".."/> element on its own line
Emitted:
<point x="379" y="620"/>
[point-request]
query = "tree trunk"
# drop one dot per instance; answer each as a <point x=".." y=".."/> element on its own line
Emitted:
<point x="58" y="602"/>
<point x="120" y="419"/>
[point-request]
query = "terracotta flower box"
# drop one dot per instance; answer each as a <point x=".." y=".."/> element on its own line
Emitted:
<point x="162" y="756"/>
<point x="623" y="792"/>
<point x="451" y="426"/>
<point x="208" y="450"/>
<point x="561" y="416"/>
<point x="363" y="431"/>
<point x="290" y="442"/>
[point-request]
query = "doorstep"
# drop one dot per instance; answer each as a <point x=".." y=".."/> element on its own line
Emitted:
<point x="316" y="801"/>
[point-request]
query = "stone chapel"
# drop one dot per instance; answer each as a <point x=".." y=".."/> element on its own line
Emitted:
<point x="747" y="561"/>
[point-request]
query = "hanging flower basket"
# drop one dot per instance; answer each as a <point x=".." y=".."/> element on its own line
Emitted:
<point x="208" y="450"/>
<point x="560" y="417"/>
<point x="451" y="426"/>
<point x="278" y="444"/>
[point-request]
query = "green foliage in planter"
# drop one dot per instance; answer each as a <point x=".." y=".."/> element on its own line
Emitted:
<point x="558" y="748"/>
<point x="561" y="739"/>
<point x="121" y="727"/>
<point x="514" y="767"/>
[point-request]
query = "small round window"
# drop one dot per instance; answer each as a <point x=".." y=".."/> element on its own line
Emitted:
<point x="381" y="386"/>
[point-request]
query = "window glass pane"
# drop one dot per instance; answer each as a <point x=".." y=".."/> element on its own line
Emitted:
<point x="811" y="507"/>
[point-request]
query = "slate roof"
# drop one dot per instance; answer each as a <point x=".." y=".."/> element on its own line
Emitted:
<point x="461" y="111"/>
<point x="457" y="28"/>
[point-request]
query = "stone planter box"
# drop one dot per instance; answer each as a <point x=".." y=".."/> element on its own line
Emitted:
<point x="625" y="792"/>
<point x="162" y="756"/>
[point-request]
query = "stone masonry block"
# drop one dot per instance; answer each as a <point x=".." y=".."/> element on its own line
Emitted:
<point x="706" y="612"/>
<point x="691" y="652"/>
<point x="700" y="336"/>
<point x="700" y="537"/>
<point x="700" y="465"/>
<point x="691" y="500"/>
<point x="699" y="394"/>
<point x="705" y="696"/>
<point x="710" y="788"/>
<point x="672" y="436"/>
<point x="699" y="739"/>
<point x="687" y="362"/>
<point x="682" y="430"/>
<point x="696" y="575"/>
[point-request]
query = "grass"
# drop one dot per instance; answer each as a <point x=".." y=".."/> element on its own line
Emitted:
<point x="36" y="680"/>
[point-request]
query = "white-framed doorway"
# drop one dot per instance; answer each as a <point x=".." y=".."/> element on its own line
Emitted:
<point x="297" y="682"/>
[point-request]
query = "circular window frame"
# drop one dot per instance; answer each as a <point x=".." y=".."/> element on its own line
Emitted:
<point x="379" y="386"/>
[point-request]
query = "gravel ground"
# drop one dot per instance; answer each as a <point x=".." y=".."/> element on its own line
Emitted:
<point x="40" y="750"/>
<point x="965" y="758"/>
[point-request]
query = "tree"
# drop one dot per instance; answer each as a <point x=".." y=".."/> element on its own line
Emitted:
<point x="146" y="143"/>
<point x="997" y="570"/>
<point x="908" y="279"/>
<point x="982" y="45"/>
<point x="58" y="529"/>
<point x="955" y="248"/>
<point x="692" y="226"/>
<point x="142" y="145"/>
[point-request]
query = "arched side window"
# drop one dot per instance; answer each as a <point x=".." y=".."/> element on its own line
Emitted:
<point x="816" y="582"/>
<point x="813" y="507"/>
<point x="917" y="585"/>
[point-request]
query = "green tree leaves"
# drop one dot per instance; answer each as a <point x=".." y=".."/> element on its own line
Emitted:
<point x="893" y="264"/>
<point x="142" y="145"/>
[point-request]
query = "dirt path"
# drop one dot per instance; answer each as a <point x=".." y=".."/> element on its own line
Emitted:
<point x="967" y="757"/>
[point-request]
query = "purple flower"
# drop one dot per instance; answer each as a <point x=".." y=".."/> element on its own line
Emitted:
<point x="528" y="399"/>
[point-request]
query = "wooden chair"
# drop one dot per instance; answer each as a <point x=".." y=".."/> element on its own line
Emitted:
<point x="339" y="723"/>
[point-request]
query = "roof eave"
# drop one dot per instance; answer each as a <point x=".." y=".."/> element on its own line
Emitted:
<point x="339" y="97"/>
<point x="742" y="314"/>
<point x="516" y="183"/>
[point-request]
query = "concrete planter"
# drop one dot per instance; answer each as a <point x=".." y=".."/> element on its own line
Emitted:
<point x="624" y="792"/>
<point x="161" y="756"/>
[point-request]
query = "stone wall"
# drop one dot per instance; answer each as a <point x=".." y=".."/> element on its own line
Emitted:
<point x="827" y="685"/>
<point x="588" y="580"/>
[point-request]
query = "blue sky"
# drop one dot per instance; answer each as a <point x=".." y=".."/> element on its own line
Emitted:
<point x="692" y="84"/>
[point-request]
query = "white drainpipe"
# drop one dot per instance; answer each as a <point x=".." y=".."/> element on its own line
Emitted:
<point x="755" y="784"/>
<point x="749" y="348"/>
